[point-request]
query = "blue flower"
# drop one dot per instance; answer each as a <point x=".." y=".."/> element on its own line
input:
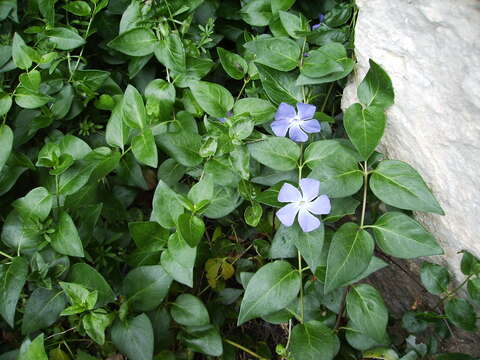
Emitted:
<point x="306" y="204"/>
<point x="223" y="119"/>
<point x="296" y="123"/>
<point x="321" y="17"/>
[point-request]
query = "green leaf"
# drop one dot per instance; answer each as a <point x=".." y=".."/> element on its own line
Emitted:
<point x="33" y="350"/>
<point x="6" y="139"/>
<point x="341" y="208"/>
<point x="116" y="131"/>
<point x="145" y="287"/>
<point x="95" y="324"/>
<point x="261" y="110"/>
<point x="278" y="5"/>
<point x="350" y="254"/>
<point x="310" y="245"/>
<point x="171" y="53"/>
<point x="283" y="243"/>
<point x="191" y="228"/>
<point x="324" y="61"/>
<point x="364" y="127"/>
<point x="160" y="96"/>
<point x="90" y="278"/>
<point x="64" y="39"/>
<point x="214" y="99"/>
<point x="224" y="201"/>
<point x="399" y="235"/>
<point x="376" y="88"/>
<point x="272" y="288"/>
<point x="233" y="64"/>
<point x="5" y="103"/>
<point x="318" y="151"/>
<point x="37" y="203"/>
<point x="205" y="339"/>
<point x="257" y="12"/>
<point x="314" y="341"/>
<point x="279" y="53"/>
<point x="278" y="153"/>
<point x="11" y="285"/>
<point x="398" y="184"/>
<point x="462" y="314"/>
<point x="293" y="23"/>
<point x="470" y="264"/>
<point x="473" y="287"/>
<point x="30" y="100"/>
<point x="19" y="233"/>
<point x="79" y="8"/>
<point x="188" y="310"/>
<point x="178" y="260"/>
<point x="366" y="309"/>
<point x="145" y="149"/>
<point x="435" y="278"/>
<point x="42" y="310"/>
<point x="65" y="239"/>
<point x="20" y="53"/>
<point x="182" y="146"/>
<point x="134" y="338"/>
<point x="280" y="86"/>
<point x="133" y="109"/>
<point x="63" y="102"/>
<point x="166" y="206"/>
<point x="135" y="42"/>
<point x="253" y="214"/>
<point x="31" y="80"/>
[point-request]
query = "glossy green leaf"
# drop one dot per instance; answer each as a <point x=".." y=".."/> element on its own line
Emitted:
<point x="30" y="100"/>
<point x="79" y="8"/>
<point x="166" y="206"/>
<point x="310" y="245"/>
<point x="253" y="214"/>
<point x="280" y="53"/>
<point x="133" y="109"/>
<point x="191" y="228"/>
<point x="278" y="5"/>
<point x="5" y="103"/>
<point x="135" y="42"/>
<point x="19" y="233"/>
<point x="188" y="310"/>
<point x="293" y="23"/>
<point x="37" y="203"/>
<point x="214" y="99"/>
<point x="42" y="310"/>
<point x="233" y="64"/>
<point x="205" y="340"/>
<point x="11" y="284"/>
<point x="6" y="139"/>
<point x="33" y="350"/>
<point x="280" y="86"/>
<point x="20" y="53"/>
<point x="116" y="132"/>
<point x="160" y="97"/>
<point x="398" y="184"/>
<point x="134" y="338"/>
<point x="314" y="341"/>
<point x="171" y="53"/>
<point x="182" y="146"/>
<point x="90" y="278"/>
<point x="272" y="288"/>
<point x="350" y="254"/>
<point x="461" y="313"/>
<point x="261" y="110"/>
<point x="365" y="127"/>
<point x="257" y="12"/>
<point x="376" y="88"/>
<point x="95" y="323"/>
<point x="146" y="287"/>
<point x="145" y="149"/>
<point x="435" y="278"/>
<point x="366" y="309"/>
<point x="178" y="260"/>
<point x="65" y="239"/>
<point x="64" y="38"/>
<point x="399" y="235"/>
<point x="324" y="60"/>
<point x="278" y="153"/>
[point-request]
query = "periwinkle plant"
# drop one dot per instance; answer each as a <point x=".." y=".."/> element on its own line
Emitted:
<point x="170" y="170"/>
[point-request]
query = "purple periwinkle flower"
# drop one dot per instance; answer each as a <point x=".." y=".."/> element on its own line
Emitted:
<point x="296" y="123"/>
<point x="321" y="17"/>
<point x="223" y="119"/>
<point x="306" y="204"/>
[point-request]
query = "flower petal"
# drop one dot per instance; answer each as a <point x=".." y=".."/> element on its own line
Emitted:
<point x="287" y="214"/>
<point x="222" y="120"/>
<point x="310" y="188"/>
<point x="307" y="221"/>
<point x="289" y="193"/>
<point x="306" y="111"/>
<point x="316" y="26"/>
<point x="321" y="205"/>
<point x="285" y="112"/>
<point x="311" y="126"/>
<point x="297" y="134"/>
<point x="280" y="127"/>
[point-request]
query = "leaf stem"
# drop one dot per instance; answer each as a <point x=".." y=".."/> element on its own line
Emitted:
<point x="453" y="292"/>
<point x="300" y="270"/>
<point x="6" y="255"/>
<point x="243" y="348"/>
<point x="365" y="189"/>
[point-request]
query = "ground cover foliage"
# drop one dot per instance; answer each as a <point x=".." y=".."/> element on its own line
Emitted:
<point x="178" y="181"/>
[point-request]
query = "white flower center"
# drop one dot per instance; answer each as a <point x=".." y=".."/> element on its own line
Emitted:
<point x="304" y="204"/>
<point x="296" y="120"/>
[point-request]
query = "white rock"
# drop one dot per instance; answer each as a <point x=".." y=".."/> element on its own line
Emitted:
<point x="431" y="50"/>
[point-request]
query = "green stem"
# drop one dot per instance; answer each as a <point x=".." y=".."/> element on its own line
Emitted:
<point x="300" y="270"/>
<point x="6" y="255"/>
<point x="454" y="291"/>
<point x="326" y="98"/>
<point x="365" y="189"/>
<point x="243" y="348"/>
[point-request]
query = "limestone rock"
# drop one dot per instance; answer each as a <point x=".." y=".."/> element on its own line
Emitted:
<point x="431" y="50"/>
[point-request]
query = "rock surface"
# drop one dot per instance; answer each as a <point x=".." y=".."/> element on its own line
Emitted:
<point x="431" y="50"/>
